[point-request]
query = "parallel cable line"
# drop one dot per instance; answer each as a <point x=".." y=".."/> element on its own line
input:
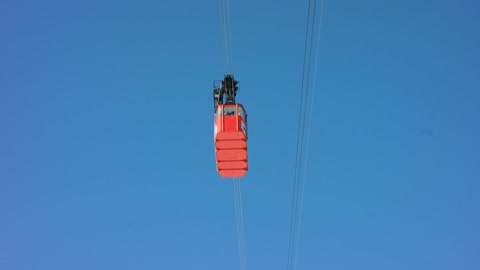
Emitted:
<point x="293" y="217"/>
<point x="229" y="36"/>
<point x="298" y="180"/>
<point x="308" y="133"/>
<point x="226" y="35"/>
<point x="239" y="219"/>
<point x="222" y="37"/>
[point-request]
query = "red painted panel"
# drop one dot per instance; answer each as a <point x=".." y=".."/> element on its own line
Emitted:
<point x="236" y="135"/>
<point x="232" y="173"/>
<point x="232" y="165"/>
<point x="232" y="155"/>
<point x="237" y="144"/>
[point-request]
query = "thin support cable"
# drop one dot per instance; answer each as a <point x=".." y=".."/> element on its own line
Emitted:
<point x="242" y="223"/>
<point x="239" y="221"/>
<point x="229" y="33"/>
<point x="295" y="243"/>
<point x="225" y="36"/>
<point x="222" y="36"/>
<point x="295" y="188"/>
<point x="309" y="129"/>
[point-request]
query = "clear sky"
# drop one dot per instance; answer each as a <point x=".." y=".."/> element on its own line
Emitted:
<point x="106" y="143"/>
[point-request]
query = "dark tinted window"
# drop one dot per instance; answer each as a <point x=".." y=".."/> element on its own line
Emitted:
<point x="229" y="110"/>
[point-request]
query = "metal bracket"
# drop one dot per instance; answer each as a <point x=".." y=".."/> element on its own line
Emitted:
<point x="224" y="92"/>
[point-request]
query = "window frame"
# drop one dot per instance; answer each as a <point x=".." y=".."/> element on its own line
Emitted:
<point x="218" y="113"/>
<point x="241" y="112"/>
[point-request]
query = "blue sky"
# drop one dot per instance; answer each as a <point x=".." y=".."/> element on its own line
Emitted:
<point x="107" y="156"/>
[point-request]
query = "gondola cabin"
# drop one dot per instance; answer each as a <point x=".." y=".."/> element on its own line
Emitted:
<point x="231" y="140"/>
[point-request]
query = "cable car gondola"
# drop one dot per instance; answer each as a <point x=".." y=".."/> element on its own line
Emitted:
<point x="230" y="130"/>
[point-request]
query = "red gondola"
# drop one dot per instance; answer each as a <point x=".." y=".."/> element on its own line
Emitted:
<point x="230" y="131"/>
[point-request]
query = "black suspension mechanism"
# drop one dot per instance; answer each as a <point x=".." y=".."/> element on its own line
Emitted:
<point x="224" y="92"/>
